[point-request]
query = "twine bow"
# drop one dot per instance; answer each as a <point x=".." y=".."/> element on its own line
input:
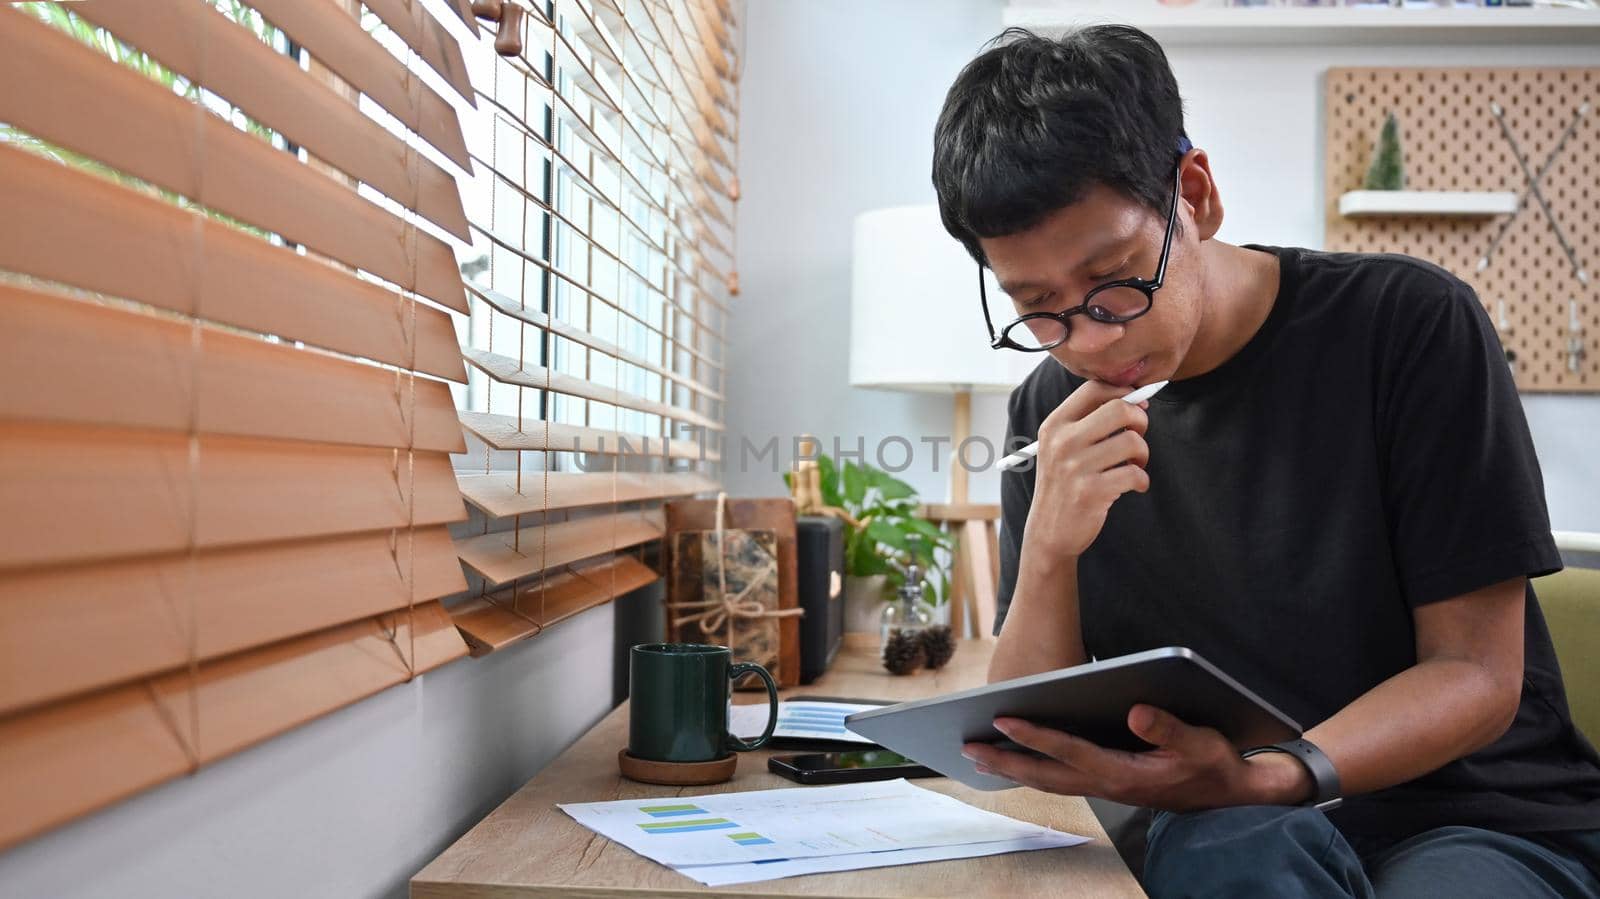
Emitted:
<point x="712" y="614"/>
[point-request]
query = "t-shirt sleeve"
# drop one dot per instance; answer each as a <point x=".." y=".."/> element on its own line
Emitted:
<point x="1016" y="495"/>
<point x="1462" y="488"/>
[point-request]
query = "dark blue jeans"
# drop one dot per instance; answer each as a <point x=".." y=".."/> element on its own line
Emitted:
<point x="1270" y="851"/>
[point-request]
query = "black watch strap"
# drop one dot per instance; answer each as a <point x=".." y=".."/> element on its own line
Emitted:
<point x="1329" y="794"/>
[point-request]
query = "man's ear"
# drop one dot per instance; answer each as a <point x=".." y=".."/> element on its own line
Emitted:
<point x="1200" y="193"/>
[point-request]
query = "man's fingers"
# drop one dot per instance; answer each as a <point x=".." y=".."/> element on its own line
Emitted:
<point x="1163" y="729"/>
<point x="1114" y="416"/>
<point x="1074" y="752"/>
<point x="1118" y="449"/>
<point x="1029" y="771"/>
<point x="1117" y="481"/>
<point x="1089" y="396"/>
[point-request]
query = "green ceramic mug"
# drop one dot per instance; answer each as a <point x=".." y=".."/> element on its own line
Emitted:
<point x="678" y="702"/>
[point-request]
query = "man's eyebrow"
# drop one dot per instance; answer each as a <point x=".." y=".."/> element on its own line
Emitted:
<point x="1108" y="247"/>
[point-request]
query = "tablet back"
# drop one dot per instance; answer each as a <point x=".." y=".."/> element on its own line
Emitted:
<point x="1089" y="701"/>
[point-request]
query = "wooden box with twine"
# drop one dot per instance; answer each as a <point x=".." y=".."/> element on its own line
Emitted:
<point x="732" y="580"/>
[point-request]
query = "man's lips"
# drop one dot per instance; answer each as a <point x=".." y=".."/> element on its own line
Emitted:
<point x="1124" y="377"/>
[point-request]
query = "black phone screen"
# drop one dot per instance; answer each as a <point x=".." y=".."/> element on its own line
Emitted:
<point x="856" y="758"/>
<point x="847" y="766"/>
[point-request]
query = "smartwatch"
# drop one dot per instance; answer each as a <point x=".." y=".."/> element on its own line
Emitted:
<point x="1328" y="794"/>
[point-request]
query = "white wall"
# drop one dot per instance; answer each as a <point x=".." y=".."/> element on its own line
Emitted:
<point x="840" y="119"/>
<point x="839" y="101"/>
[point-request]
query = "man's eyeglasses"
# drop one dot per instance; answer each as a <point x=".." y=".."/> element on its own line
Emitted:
<point x="1112" y="303"/>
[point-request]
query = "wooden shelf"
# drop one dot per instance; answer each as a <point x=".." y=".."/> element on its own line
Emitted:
<point x="1320" y="25"/>
<point x="1427" y="202"/>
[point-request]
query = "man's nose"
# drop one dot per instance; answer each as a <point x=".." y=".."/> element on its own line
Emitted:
<point x="1088" y="336"/>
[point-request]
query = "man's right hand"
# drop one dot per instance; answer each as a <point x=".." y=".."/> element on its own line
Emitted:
<point x="1091" y="451"/>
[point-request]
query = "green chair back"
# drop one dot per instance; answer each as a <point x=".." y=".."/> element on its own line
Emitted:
<point x="1571" y="603"/>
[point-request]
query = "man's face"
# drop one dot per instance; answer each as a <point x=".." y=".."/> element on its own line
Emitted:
<point x="1103" y="237"/>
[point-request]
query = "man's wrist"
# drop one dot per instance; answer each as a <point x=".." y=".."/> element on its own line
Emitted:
<point x="1279" y="779"/>
<point x="1037" y="555"/>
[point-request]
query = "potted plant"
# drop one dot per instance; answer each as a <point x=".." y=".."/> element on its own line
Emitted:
<point x="881" y="515"/>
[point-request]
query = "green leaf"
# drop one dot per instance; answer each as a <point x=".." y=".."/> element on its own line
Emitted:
<point x="886" y="532"/>
<point x="788" y="480"/>
<point x="931" y="533"/>
<point x="864" y="562"/>
<point x="829" y="481"/>
<point x="855" y="484"/>
<point x="891" y="487"/>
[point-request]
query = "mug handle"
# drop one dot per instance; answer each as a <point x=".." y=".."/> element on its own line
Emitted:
<point x="734" y="673"/>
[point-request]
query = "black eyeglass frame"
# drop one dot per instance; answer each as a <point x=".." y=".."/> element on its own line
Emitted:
<point x="1148" y="287"/>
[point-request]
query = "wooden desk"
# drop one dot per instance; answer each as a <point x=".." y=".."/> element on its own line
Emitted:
<point x="528" y="847"/>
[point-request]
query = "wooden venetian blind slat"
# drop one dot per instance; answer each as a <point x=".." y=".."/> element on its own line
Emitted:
<point x="337" y="40"/>
<point x="408" y="20"/>
<point x="621" y="200"/>
<point x="709" y="30"/>
<point x="507" y="371"/>
<point x="84" y="627"/>
<point x="463" y="10"/>
<point x="79" y="229"/>
<point x="506" y="555"/>
<point x="503" y="432"/>
<point x="578" y="285"/>
<point x="500" y="494"/>
<point x="490" y="624"/>
<point x="78" y="493"/>
<point x="133" y="124"/>
<point x="512" y="308"/>
<point x="76" y="361"/>
<point x="201" y="44"/>
<point x="581" y="180"/>
<point x="70" y="758"/>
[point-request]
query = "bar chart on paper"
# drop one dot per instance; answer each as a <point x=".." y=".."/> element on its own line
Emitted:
<point x="799" y="720"/>
<point x="767" y="825"/>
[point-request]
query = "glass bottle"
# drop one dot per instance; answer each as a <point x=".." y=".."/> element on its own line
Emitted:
<point x="902" y="623"/>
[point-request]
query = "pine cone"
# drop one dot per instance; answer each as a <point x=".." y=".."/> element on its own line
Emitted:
<point x="903" y="653"/>
<point x="938" y="645"/>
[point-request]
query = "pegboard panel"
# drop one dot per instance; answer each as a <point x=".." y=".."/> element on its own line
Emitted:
<point x="1451" y="140"/>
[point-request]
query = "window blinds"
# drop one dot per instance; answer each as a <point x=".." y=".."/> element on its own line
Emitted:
<point x="601" y="214"/>
<point x="226" y="338"/>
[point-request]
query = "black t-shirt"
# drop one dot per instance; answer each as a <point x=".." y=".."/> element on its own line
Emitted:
<point x="1365" y="453"/>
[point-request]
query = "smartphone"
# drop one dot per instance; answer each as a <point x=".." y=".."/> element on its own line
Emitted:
<point x="853" y="766"/>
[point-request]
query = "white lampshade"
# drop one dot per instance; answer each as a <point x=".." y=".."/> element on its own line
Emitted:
<point x="914" y="317"/>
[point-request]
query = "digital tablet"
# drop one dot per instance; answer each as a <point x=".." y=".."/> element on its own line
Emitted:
<point x="1090" y="701"/>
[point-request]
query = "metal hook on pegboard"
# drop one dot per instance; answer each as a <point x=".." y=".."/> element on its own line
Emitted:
<point x="1532" y="188"/>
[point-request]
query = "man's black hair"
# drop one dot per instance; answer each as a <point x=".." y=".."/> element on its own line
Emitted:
<point x="1033" y="122"/>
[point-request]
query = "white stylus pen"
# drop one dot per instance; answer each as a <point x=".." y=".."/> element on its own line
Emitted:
<point x="1032" y="449"/>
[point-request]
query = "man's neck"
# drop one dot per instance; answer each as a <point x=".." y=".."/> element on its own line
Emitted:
<point x="1239" y="287"/>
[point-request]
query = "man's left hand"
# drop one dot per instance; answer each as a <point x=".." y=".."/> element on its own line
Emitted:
<point x="1190" y="768"/>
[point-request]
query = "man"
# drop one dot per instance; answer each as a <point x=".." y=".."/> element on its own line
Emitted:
<point x="1336" y="500"/>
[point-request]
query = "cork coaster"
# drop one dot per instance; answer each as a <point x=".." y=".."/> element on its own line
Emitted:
<point x="677" y="773"/>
